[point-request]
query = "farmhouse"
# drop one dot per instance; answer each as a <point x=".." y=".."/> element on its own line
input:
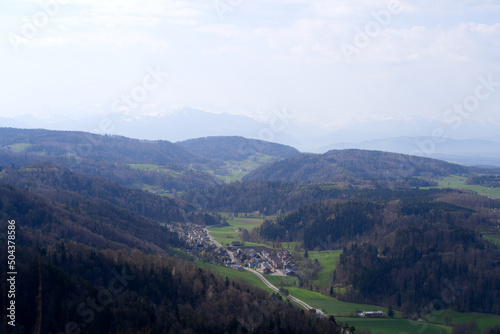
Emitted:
<point x="371" y="314"/>
<point x="311" y="312"/>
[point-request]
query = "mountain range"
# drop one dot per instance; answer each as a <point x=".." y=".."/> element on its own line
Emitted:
<point x="474" y="143"/>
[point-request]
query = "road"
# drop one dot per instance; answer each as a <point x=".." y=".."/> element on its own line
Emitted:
<point x="266" y="282"/>
<point x="231" y="254"/>
<point x="213" y="239"/>
<point x="274" y="288"/>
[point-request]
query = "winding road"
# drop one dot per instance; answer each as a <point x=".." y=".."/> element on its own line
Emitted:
<point x="274" y="288"/>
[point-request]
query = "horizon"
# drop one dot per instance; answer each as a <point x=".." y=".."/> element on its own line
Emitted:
<point x="332" y="66"/>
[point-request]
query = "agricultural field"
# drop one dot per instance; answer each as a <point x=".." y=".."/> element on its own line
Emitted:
<point x="394" y="326"/>
<point x="458" y="182"/>
<point x="151" y="167"/>
<point x="328" y="260"/>
<point x="483" y="320"/>
<point x="227" y="234"/>
<point x="282" y="281"/>
<point x="19" y="147"/>
<point x="331" y="305"/>
<point x="234" y="274"/>
<point x="492" y="237"/>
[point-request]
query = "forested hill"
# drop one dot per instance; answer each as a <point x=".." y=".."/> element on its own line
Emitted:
<point x="344" y="165"/>
<point x="63" y="185"/>
<point x="236" y="148"/>
<point x="93" y="146"/>
<point x="97" y="268"/>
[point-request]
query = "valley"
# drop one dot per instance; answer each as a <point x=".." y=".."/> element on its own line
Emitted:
<point x="205" y="223"/>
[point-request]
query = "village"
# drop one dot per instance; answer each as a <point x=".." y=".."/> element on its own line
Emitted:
<point x="236" y="255"/>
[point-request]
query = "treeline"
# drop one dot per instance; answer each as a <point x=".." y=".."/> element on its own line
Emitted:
<point x="269" y="197"/>
<point x="492" y="181"/>
<point x="324" y="225"/>
<point x="346" y="165"/>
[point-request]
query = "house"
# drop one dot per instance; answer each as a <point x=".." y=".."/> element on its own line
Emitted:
<point x="310" y="312"/>
<point x="264" y="265"/>
<point x="371" y="314"/>
<point x="275" y="262"/>
<point x="236" y="244"/>
<point x="289" y="272"/>
<point x="251" y="263"/>
<point x="251" y="252"/>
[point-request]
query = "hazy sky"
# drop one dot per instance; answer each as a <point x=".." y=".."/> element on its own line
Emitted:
<point x="331" y="62"/>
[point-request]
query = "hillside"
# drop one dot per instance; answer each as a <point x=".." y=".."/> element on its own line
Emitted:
<point x="158" y="166"/>
<point x="91" y="267"/>
<point x="236" y="148"/>
<point x="63" y="185"/>
<point x="402" y="252"/>
<point x="235" y="157"/>
<point x="470" y="152"/>
<point x="84" y="145"/>
<point x="352" y="165"/>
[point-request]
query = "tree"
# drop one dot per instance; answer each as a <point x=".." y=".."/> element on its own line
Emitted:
<point x="466" y="328"/>
<point x="390" y="312"/>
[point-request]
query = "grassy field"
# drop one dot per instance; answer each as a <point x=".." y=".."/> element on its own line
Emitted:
<point x="235" y="274"/>
<point x="458" y="182"/>
<point x="19" y="147"/>
<point x="492" y="237"/>
<point x="329" y="304"/>
<point x="227" y="234"/>
<point x="483" y="320"/>
<point x="328" y="261"/>
<point x="158" y="168"/>
<point x="395" y="326"/>
<point x="236" y="170"/>
<point x="283" y="281"/>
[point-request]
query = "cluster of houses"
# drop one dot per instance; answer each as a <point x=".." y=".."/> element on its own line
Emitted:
<point x="267" y="262"/>
<point x="195" y="235"/>
<point x="261" y="258"/>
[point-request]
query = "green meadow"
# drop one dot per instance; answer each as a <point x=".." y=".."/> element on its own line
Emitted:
<point x="227" y="234"/>
<point x="483" y="320"/>
<point x="492" y="237"/>
<point x="235" y="274"/>
<point x="458" y="182"/>
<point x="151" y="167"/>
<point x="328" y="261"/>
<point x="394" y="326"/>
<point x="331" y="305"/>
<point x="18" y="147"/>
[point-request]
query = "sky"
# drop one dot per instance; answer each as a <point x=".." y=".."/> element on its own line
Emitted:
<point x="331" y="63"/>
